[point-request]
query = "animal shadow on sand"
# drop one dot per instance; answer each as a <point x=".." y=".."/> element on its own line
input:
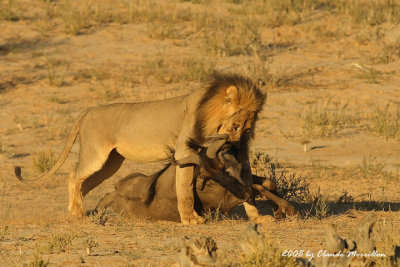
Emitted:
<point x="336" y="208"/>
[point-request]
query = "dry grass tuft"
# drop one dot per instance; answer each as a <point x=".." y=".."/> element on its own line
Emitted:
<point x="3" y="232"/>
<point x="268" y="255"/>
<point x="4" y="228"/>
<point x="10" y="11"/>
<point x="326" y="119"/>
<point x="386" y="122"/>
<point x="387" y="234"/>
<point x="190" y="69"/>
<point x="37" y="262"/>
<point x="372" y="13"/>
<point x="4" y="150"/>
<point x="259" y="251"/>
<point x="320" y="207"/>
<point x="56" y="72"/>
<point x="59" y="243"/>
<point x="213" y="216"/>
<point x="387" y="53"/>
<point x="44" y="161"/>
<point x="370" y="75"/>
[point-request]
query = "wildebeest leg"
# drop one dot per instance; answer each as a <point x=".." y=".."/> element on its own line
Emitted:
<point x="105" y="202"/>
<point x="254" y="215"/>
<point x="266" y="182"/>
<point x="284" y="205"/>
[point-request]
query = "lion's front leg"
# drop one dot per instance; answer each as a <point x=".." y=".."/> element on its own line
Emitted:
<point x="185" y="197"/>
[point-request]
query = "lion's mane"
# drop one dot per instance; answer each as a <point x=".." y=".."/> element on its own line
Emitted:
<point x="211" y="112"/>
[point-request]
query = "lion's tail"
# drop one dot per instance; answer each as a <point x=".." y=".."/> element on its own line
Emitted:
<point x="67" y="148"/>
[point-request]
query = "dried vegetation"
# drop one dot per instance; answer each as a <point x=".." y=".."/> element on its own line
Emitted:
<point x="287" y="46"/>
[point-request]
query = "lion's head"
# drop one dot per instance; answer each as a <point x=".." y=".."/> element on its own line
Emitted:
<point x="230" y="105"/>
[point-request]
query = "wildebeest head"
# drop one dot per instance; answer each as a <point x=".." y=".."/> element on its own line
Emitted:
<point x="216" y="156"/>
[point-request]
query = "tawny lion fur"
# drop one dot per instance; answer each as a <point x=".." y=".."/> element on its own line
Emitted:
<point x="142" y="131"/>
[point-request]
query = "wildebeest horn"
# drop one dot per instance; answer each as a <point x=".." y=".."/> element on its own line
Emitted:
<point x="214" y="143"/>
<point x="189" y="160"/>
<point x="218" y="136"/>
<point x="214" y="147"/>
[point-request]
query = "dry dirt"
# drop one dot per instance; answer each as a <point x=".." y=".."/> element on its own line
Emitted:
<point x="329" y="78"/>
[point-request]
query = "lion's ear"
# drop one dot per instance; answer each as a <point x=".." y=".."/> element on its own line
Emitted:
<point x="232" y="94"/>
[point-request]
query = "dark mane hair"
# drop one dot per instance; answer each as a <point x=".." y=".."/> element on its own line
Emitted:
<point x="193" y="145"/>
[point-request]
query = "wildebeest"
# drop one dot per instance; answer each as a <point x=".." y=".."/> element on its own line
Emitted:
<point x="216" y="186"/>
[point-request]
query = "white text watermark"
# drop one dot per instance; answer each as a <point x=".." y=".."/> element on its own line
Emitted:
<point x="324" y="253"/>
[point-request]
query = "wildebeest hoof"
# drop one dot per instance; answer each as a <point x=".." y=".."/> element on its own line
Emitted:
<point x="264" y="219"/>
<point x="291" y="210"/>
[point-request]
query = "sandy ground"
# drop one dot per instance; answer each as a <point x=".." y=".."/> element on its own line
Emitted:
<point x="340" y="73"/>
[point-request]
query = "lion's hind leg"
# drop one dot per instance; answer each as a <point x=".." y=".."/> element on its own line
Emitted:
<point x="110" y="167"/>
<point x="93" y="168"/>
<point x="75" y="205"/>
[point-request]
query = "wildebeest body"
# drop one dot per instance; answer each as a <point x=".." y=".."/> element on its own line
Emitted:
<point x="132" y="195"/>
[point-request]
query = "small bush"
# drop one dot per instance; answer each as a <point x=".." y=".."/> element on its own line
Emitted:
<point x="99" y="218"/>
<point x="89" y="243"/>
<point x="290" y="186"/>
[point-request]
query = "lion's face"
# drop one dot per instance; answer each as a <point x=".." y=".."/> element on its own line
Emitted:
<point x="237" y="124"/>
<point x="229" y="109"/>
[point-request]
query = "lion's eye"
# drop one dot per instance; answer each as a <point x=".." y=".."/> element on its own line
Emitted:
<point x="235" y="127"/>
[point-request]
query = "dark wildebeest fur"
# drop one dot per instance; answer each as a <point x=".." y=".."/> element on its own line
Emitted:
<point x="215" y="187"/>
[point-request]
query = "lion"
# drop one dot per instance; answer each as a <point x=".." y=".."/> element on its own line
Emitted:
<point x="216" y="186"/>
<point x="141" y="132"/>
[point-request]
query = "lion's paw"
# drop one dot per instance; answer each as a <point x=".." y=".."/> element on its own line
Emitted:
<point x="194" y="219"/>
